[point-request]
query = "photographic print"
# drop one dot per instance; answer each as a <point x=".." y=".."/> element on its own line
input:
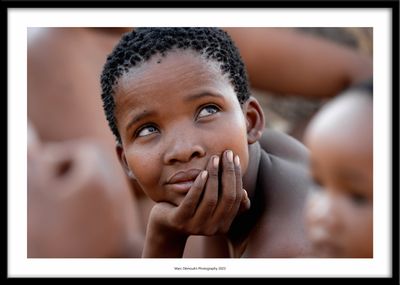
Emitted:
<point x="181" y="142"/>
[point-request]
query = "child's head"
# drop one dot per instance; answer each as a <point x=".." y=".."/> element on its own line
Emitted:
<point x="339" y="209"/>
<point x="142" y="44"/>
<point x="174" y="97"/>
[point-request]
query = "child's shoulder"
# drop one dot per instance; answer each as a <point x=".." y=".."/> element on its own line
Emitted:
<point x="283" y="146"/>
<point x="282" y="186"/>
<point x="283" y="162"/>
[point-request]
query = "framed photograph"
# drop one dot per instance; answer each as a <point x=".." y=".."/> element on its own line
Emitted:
<point x="57" y="86"/>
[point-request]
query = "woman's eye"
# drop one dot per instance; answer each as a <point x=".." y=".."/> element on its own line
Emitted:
<point x="208" y="111"/>
<point x="358" y="199"/>
<point x="146" y="131"/>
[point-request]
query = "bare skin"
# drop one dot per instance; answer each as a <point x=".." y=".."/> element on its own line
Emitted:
<point x="64" y="104"/>
<point x="340" y="205"/>
<point x="286" y="62"/>
<point x="75" y="207"/>
<point x="171" y="142"/>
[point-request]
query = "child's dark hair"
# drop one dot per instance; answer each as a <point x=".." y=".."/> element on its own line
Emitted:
<point x="142" y="43"/>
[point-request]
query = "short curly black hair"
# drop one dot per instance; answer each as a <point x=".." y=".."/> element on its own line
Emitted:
<point x="142" y="43"/>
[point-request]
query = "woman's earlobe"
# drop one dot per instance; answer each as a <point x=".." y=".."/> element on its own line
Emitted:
<point x="130" y="174"/>
<point x="253" y="136"/>
<point x="254" y="120"/>
<point x="122" y="159"/>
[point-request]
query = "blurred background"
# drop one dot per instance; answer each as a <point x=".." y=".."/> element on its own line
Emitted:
<point x="291" y="113"/>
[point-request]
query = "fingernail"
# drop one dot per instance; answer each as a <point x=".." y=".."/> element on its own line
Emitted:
<point x="216" y="161"/>
<point x="237" y="161"/>
<point x="245" y="193"/>
<point x="204" y="174"/>
<point x="229" y="155"/>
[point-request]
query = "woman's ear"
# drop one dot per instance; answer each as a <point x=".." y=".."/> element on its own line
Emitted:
<point x="254" y="120"/>
<point x="122" y="160"/>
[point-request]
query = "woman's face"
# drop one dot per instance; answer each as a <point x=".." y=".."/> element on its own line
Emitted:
<point x="340" y="207"/>
<point x="173" y="113"/>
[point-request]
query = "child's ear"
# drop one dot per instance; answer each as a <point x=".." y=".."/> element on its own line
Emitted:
<point x="254" y="119"/>
<point x="122" y="160"/>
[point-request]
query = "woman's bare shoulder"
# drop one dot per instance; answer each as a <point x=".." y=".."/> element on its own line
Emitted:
<point x="284" y="146"/>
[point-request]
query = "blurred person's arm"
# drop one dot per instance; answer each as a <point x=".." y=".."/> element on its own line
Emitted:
<point x="287" y="62"/>
<point x="64" y="65"/>
<point x="64" y="99"/>
<point x="77" y="206"/>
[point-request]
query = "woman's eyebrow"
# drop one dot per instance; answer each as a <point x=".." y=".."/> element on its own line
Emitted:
<point x="357" y="180"/>
<point x="139" y="117"/>
<point x="195" y="96"/>
<point x="350" y="175"/>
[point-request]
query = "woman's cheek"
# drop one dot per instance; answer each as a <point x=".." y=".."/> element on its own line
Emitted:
<point x="359" y="232"/>
<point x="310" y="211"/>
<point x="242" y="150"/>
<point x="144" y="168"/>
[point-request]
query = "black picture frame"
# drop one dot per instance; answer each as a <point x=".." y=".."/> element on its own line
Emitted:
<point x="392" y="5"/>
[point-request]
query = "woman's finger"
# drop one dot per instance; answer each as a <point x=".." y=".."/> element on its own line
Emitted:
<point x="210" y="198"/>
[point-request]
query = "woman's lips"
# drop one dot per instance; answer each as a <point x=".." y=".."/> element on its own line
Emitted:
<point x="323" y="245"/>
<point x="183" y="176"/>
<point x="182" y="187"/>
<point x="182" y="181"/>
<point x="326" y="249"/>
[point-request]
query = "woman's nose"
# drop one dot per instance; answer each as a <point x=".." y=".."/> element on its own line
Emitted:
<point x="183" y="148"/>
<point x="323" y="212"/>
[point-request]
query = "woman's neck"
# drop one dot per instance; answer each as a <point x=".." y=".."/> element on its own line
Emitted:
<point x="243" y="224"/>
<point x="250" y="177"/>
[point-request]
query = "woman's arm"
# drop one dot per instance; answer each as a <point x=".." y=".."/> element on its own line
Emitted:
<point x="285" y="61"/>
<point x="203" y="210"/>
